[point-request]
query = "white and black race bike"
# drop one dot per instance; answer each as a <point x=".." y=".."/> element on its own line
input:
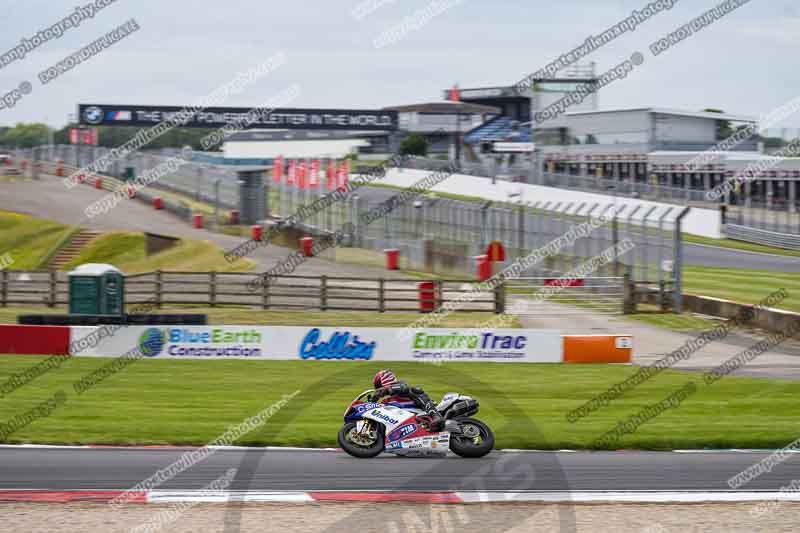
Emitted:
<point x="371" y="428"/>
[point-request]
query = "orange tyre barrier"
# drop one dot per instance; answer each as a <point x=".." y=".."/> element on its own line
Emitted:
<point x="598" y="348"/>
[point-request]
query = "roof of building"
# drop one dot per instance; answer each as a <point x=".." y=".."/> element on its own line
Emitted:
<point x="668" y="111"/>
<point x="443" y="107"/>
<point x="300" y="135"/>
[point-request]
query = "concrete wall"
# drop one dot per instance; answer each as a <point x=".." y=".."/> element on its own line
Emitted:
<point x="769" y="319"/>
<point x="685" y="129"/>
<point x="292" y="149"/>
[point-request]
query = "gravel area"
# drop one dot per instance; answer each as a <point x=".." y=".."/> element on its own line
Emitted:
<point x="391" y="518"/>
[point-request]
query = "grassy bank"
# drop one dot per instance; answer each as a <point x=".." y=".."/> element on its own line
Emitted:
<point x="27" y="239"/>
<point x="126" y="251"/>
<point x="192" y="402"/>
<point x="30" y="241"/>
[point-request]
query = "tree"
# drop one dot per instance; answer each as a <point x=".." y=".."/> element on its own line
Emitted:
<point x="25" y="135"/>
<point x="414" y="144"/>
<point x="114" y="136"/>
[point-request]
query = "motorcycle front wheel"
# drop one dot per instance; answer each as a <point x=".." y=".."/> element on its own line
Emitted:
<point x="363" y="446"/>
<point x="476" y="439"/>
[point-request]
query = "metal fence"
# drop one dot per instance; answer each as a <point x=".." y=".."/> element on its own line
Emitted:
<point x="447" y="235"/>
<point x="599" y="294"/>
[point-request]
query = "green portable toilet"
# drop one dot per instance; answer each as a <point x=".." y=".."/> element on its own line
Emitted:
<point x="130" y="173"/>
<point x="96" y="289"/>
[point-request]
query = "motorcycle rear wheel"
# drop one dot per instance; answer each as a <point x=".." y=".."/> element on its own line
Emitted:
<point x="359" y="450"/>
<point x="472" y="446"/>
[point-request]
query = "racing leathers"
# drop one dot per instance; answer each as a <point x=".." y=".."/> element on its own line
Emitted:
<point x="401" y="392"/>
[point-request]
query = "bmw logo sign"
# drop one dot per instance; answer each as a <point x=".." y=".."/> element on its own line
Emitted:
<point x="93" y="115"/>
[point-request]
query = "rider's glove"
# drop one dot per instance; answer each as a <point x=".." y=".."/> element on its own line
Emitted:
<point x="378" y="394"/>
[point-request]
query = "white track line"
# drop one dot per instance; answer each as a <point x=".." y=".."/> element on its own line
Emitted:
<point x="627" y="497"/>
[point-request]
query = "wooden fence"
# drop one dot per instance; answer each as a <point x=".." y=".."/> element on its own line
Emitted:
<point x="212" y="289"/>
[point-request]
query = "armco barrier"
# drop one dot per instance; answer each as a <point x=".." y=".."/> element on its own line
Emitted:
<point x="34" y="340"/>
<point x="761" y="236"/>
<point x="598" y="348"/>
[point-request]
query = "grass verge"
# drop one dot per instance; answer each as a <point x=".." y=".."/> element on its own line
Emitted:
<point x="742" y="285"/>
<point x="685" y="323"/>
<point x="191" y="402"/>
<point x="738" y="245"/>
<point x="246" y="316"/>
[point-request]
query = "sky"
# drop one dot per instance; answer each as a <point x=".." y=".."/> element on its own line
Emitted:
<point x="745" y="63"/>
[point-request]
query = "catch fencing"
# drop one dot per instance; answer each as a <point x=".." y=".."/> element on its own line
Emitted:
<point x="440" y="234"/>
<point x="770" y="222"/>
<point x="214" y="184"/>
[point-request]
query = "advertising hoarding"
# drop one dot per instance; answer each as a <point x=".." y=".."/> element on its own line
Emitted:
<point x="328" y="343"/>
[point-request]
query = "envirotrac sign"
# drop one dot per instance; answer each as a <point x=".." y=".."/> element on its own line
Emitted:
<point x="324" y="343"/>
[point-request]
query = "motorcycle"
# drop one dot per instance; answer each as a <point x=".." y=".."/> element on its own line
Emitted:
<point x="371" y="428"/>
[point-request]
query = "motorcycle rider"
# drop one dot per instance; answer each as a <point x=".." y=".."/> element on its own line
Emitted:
<point x="386" y="384"/>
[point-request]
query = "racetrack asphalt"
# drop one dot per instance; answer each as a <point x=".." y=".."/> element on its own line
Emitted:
<point x="312" y="470"/>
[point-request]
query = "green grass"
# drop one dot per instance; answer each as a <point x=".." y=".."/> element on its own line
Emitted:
<point x="684" y="323"/>
<point x="742" y="285"/>
<point x="118" y="248"/>
<point x="247" y="316"/>
<point x="192" y="402"/>
<point x="27" y="239"/>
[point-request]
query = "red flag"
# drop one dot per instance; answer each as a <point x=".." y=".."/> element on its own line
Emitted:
<point x="455" y="94"/>
<point x="277" y="169"/>
<point x="301" y="174"/>
<point x="290" y="172"/>
<point x="313" y="182"/>
<point x="331" y="174"/>
<point x="341" y="176"/>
